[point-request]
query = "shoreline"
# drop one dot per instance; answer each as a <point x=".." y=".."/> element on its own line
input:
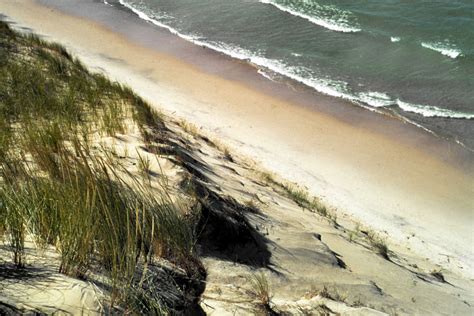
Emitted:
<point x="211" y="58"/>
<point x="245" y="73"/>
<point x="365" y="173"/>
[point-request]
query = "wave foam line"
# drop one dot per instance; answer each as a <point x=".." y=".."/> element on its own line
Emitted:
<point x="144" y="16"/>
<point x="433" y="111"/>
<point x="443" y="49"/>
<point x="318" y="21"/>
<point x="376" y="99"/>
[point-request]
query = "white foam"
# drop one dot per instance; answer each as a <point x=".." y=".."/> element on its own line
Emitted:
<point x="394" y="39"/>
<point x="445" y="48"/>
<point x="144" y="16"/>
<point x="376" y="99"/>
<point x="299" y="74"/>
<point x="433" y="111"/>
<point x="265" y="74"/>
<point x="339" y="26"/>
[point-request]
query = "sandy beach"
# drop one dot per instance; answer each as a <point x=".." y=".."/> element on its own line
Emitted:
<point x="385" y="173"/>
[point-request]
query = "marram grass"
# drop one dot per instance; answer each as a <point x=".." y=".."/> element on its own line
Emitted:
<point x="56" y="188"/>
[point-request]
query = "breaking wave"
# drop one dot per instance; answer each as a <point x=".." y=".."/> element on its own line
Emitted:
<point x="326" y="16"/>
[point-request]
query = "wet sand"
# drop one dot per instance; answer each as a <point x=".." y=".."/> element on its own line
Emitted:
<point x="382" y="171"/>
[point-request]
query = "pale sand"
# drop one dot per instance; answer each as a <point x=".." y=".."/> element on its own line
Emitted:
<point x="42" y="288"/>
<point x="388" y="184"/>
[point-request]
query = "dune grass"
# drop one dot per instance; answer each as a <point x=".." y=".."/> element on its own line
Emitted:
<point x="260" y="290"/>
<point x="302" y="197"/>
<point x="59" y="189"/>
<point x="299" y="195"/>
<point x="379" y="244"/>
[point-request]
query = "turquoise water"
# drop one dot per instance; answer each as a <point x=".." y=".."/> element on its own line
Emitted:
<point x="415" y="58"/>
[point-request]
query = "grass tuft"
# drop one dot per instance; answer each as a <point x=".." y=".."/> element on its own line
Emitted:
<point x="260" y="290"/>
<point x="379" y="244"/>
